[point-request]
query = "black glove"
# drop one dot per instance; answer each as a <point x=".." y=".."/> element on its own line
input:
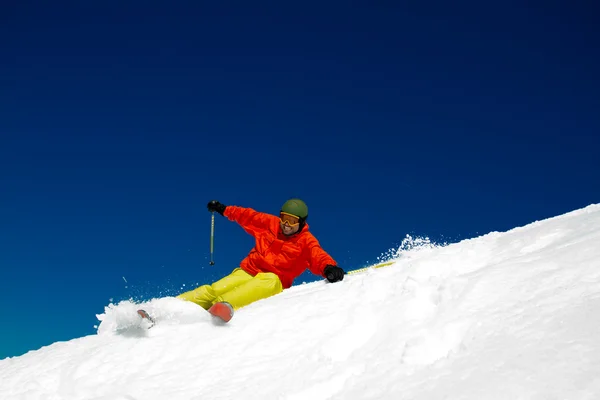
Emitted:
<point x="214" y="205"/>
<point x="333" y="273"/>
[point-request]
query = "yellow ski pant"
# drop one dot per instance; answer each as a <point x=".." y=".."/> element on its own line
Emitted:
<point x="238" y="289"/>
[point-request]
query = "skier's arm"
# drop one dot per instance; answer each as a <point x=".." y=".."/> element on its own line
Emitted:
<point x="318" y="258"/>
<point x="249" y="219"/>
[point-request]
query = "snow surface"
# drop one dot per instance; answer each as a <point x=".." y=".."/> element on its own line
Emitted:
<point x="512" y="315"/>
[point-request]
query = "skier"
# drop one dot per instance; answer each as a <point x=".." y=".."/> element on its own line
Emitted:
<point x="284" y="249"/>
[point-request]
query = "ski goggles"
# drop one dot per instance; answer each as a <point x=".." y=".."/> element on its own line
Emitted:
<point x="289" y="219"/>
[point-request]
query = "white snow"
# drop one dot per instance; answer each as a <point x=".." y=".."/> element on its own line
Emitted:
<point x="510" y="316"/>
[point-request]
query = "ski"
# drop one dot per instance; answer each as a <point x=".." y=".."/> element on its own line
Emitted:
<point x="146" y="316"/>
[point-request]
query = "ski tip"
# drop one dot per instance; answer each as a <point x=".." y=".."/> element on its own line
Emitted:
<point x="145" y="315"/>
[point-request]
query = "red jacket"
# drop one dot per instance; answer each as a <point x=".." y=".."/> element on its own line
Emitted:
<point x="285" y="256"/>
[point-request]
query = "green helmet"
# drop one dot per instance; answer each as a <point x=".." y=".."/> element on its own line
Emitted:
<point x="295" y="207"/>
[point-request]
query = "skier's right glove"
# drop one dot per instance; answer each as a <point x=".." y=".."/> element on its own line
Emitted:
<point x="214" y="205"/>
<point x="333" y="273"/>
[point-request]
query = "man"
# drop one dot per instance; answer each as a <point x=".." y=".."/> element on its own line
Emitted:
<point x="284" y="249"/>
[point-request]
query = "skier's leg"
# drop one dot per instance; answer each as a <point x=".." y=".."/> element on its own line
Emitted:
<point x="205" y="295"/>
<point x="263" y="285"/>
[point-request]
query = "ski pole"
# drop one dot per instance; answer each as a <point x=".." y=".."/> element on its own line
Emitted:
<point x="212" y="237"/>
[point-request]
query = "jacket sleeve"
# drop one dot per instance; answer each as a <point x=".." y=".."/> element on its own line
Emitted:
<point x="252" y="221"/>
<point x="318" y="258"/>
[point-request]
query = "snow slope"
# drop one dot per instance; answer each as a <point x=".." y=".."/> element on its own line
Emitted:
<point x="511" y="315"/>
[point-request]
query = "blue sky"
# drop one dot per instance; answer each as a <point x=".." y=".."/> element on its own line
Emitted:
<point x="119" y="123"/>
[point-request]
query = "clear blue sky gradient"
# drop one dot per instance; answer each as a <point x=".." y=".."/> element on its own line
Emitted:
<point x="119" y="123"/>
